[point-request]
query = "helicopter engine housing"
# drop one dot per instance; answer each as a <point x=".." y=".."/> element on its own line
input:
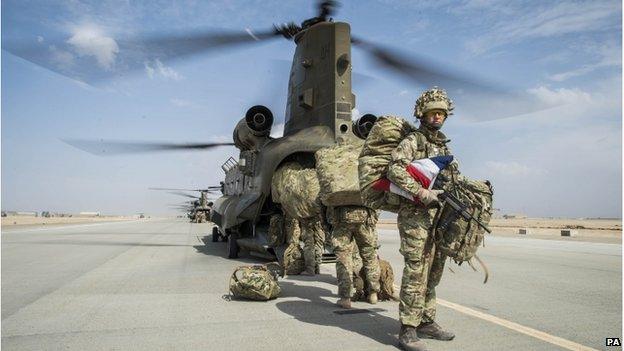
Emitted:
<point x="253" y="130"/>
<point x="363" y="125"/>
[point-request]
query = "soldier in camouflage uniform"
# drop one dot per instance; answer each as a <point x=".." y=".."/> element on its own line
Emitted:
<point x="354" y="223"/>
<point x="423" y="266"/>
<point x="313" y="236"/>
<point x="200" y="216"/>
<point x="293" y="262"/>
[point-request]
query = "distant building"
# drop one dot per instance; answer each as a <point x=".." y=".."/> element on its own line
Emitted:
<point x="89" y="214"/>
<point x="26" y="213"/>
<point x="514" y="216"/>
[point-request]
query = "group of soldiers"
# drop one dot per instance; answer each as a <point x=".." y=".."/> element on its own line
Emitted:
<point x="356" y="226"/>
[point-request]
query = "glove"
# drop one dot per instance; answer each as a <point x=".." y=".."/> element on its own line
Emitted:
<point x="428" y="197"/>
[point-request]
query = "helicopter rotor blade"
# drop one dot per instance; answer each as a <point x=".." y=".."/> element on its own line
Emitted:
<point x="183" y="194"/>
<point x="61" y="54"/>
<point x="178" y="46"/>
<point x="210" y="189"/>
<point x="422" y="70"/>
<point x="469" y="90"/>
<point x="105" y="148"/>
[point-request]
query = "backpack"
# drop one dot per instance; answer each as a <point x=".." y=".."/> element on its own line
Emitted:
<point x="337" y="170"/>
<point x="386" y="283"/>
<point x="293" y="259"/>
<point x="254" y="283"/>
<point x="384" y="137"/>
<point x="454" y="235"/>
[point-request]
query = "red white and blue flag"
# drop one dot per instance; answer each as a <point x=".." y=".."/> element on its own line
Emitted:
<point x="423" y="171"/>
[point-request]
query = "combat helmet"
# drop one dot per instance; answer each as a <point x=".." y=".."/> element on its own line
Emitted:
<point x="432" y="99"/>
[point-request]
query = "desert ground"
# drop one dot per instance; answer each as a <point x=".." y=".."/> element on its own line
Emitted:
<point x="12" y="220"/>
<point x="592" y="230"/>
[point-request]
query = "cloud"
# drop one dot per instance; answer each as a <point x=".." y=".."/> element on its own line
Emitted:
<point x="512" y="169"/>
<point x="39" y="39"/>
<point x="546" y="22"/>
<point x="543" y="105"/>
<point x="561" y="96"/>
<point x="156" y="67"/>
<point x="61" y="58"/>
<point x="403" y="92"/>
<point x="355" y="114"/>
<point x="88" y="40"/>
<point x="609" y="55"/>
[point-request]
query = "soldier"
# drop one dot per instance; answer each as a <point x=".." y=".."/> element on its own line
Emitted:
<point x="293" y="262"/>
<point x="200" y="216"/>
<point x="354" y="223"/>
<point x="423" y="266"/>
<point x="313" y="236"/>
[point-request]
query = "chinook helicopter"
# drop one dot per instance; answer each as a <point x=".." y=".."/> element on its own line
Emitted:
<point x="198" y="209"/>
<point x="318" y="114"/>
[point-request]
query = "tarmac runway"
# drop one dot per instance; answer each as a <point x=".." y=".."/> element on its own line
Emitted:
<point x="152" y="284"/>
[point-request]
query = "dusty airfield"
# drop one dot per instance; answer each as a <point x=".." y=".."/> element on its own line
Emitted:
<point x="10" y="221"/>
<point x="154" y="284"/>
<point x="594" y="230"/>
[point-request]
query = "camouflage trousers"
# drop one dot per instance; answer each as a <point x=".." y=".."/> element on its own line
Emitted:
<point x="365" y="237"/>
<point x="200" y="217"/>
<point x="293" y="258"/>
<point x="313" y="237"/>
<point x="423" y="266"/>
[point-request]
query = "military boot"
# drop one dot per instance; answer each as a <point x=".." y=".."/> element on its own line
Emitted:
<point x="409" y="341"/>
<point x="308" y="272"/>
<point x="372" y="298"/>
<point x="344" y="302"/>
<point x="432" y="330"/>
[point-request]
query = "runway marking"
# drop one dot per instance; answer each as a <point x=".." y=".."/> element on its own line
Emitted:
<point x="555" y="340"/>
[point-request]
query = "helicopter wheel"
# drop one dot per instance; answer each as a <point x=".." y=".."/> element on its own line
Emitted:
<point x="232" y="246"/>
<point x="215" y="234"/>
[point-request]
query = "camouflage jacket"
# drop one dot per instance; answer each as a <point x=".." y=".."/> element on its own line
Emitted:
<point x="417" y="145"/>
<point x="352" y="214"/>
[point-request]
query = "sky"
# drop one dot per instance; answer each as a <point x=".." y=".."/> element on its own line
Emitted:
<point x="564" y="161"/>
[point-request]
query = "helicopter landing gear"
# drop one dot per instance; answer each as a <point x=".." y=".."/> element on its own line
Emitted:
<point x="232" y="246"/>
<point x="215" y="234"/>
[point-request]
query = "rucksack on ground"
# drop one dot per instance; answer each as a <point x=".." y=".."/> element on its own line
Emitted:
<point x="254" y="283"/>
<point x="386" y="283"/>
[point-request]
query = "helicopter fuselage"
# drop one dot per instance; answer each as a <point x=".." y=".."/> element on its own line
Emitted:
<point x="318" y="114"/>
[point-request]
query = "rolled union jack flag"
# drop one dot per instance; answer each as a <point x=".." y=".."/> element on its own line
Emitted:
<point x="423" y="171"/>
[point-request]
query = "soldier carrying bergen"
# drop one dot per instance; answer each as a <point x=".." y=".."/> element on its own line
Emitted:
<point x="423" y="265"/>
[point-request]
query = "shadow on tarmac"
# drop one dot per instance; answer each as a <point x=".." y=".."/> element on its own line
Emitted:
<point x="316" y="310"/>
<point x="324" y="277"/>
<point x="219" y="249"/>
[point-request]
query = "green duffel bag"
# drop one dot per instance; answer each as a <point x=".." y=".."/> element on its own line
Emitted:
<point x="254" y="283"/>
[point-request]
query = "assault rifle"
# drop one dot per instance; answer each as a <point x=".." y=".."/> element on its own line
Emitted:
<point x="461" y="209"/>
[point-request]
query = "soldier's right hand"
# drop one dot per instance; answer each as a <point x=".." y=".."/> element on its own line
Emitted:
<point x="428" y="197"/>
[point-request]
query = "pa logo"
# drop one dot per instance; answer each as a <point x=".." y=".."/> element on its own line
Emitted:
<point x="614" y="342"/>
